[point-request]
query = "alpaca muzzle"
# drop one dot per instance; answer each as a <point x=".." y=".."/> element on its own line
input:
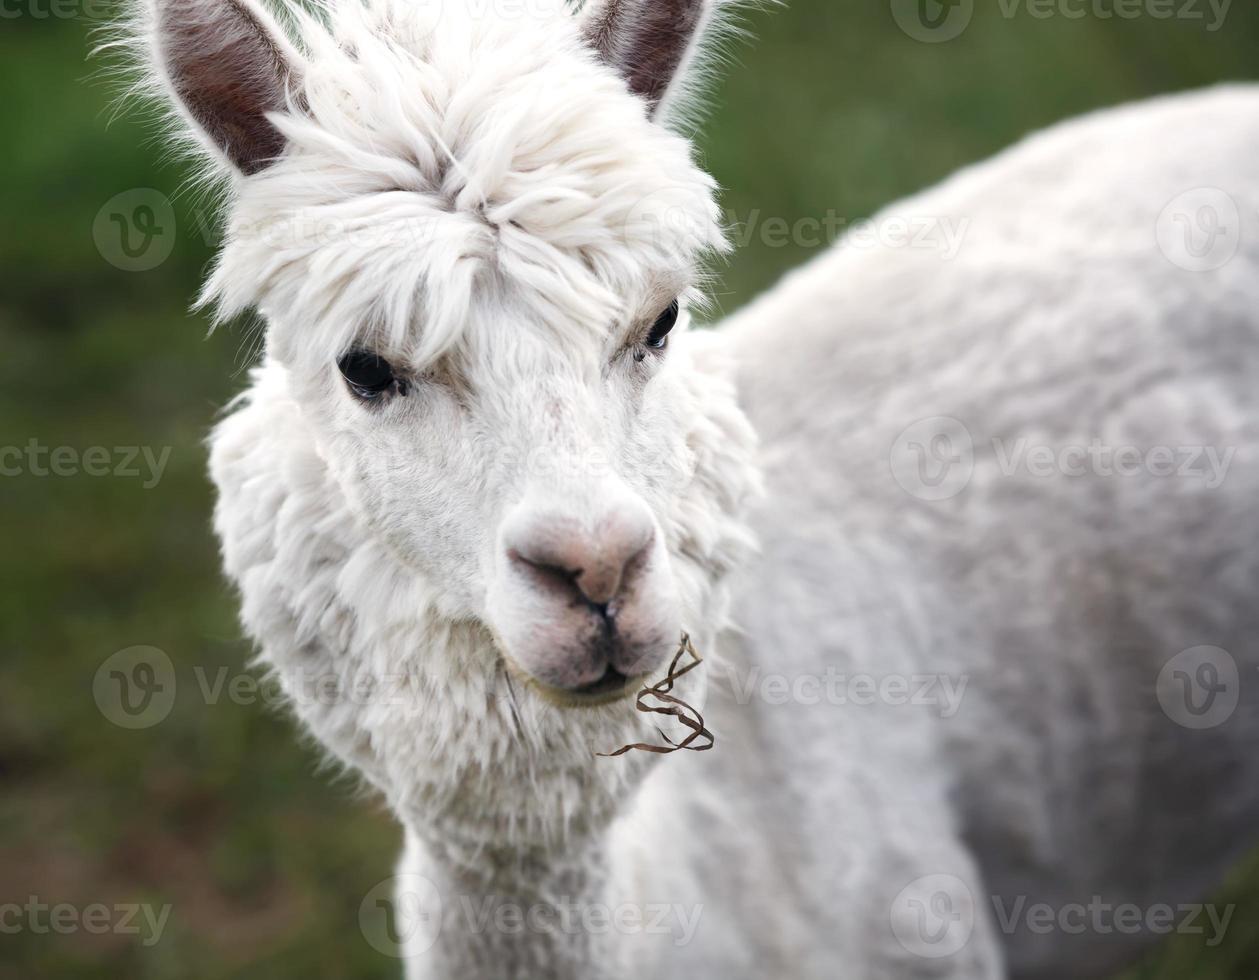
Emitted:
<point x="585" y="608"/>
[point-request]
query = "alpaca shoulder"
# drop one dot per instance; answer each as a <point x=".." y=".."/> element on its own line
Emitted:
<point x="1067" y="218"/>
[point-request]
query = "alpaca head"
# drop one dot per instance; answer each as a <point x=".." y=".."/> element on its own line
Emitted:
<point x="475" y="245"/>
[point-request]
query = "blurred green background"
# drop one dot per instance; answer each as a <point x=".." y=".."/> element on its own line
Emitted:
<point x="221" y="810"/>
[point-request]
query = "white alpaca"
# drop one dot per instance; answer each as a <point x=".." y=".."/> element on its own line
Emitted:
<point x="477" y="489"/>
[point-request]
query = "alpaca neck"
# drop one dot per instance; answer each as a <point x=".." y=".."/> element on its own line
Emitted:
<point x="511" y="913"/>
<point x="598" y="896"/>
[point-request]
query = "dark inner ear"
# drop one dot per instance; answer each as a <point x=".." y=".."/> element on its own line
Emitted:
<point x="228" y="71"/>
<point x="645" y="40"/>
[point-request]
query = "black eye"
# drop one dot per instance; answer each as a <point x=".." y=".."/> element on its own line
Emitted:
<point x="368" y="375"/>
<point x="659" y="333"/>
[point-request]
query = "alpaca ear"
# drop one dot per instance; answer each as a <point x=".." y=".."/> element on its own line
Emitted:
<point x="650" y="42"/>
<point x="228" y="64"/>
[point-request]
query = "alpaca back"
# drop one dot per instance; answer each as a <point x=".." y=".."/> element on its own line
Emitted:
<point x="1021" y="458"/>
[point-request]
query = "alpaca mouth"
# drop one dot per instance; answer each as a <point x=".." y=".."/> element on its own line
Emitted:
<point x="612" y="682"/>
<point x="612" y="686"/>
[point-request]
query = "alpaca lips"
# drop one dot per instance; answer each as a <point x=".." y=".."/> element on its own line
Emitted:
<point x="673" y="707"/>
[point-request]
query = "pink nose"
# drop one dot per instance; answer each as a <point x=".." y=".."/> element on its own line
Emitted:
<point x="584" y="603"/>
<point x="593" y="565"/>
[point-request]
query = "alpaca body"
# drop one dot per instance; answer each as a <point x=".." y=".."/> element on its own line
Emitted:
<point x="1027" y="755"/>
<point x="1058" y="596"/>
<point x="486" y="472"/>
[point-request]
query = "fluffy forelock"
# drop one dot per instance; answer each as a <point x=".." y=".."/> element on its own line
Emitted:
<point x="448" y="163"/>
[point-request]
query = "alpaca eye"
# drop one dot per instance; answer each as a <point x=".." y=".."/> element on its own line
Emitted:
<point x="368" y="375"/>
<point x="659" y="333"/>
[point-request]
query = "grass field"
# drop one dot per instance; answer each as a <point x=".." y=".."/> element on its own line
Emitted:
<point x="220" y="811"/>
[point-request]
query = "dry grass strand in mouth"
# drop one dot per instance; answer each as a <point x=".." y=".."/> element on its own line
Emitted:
<point x="673" y="707"/>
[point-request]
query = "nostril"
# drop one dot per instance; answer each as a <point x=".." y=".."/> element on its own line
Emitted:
<point x="544" y="572"/>
<point x="557" y="577"/>
<point x="565" y="558"/>
<point x="600" y="607"/>
<point x="600" y="585"/>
